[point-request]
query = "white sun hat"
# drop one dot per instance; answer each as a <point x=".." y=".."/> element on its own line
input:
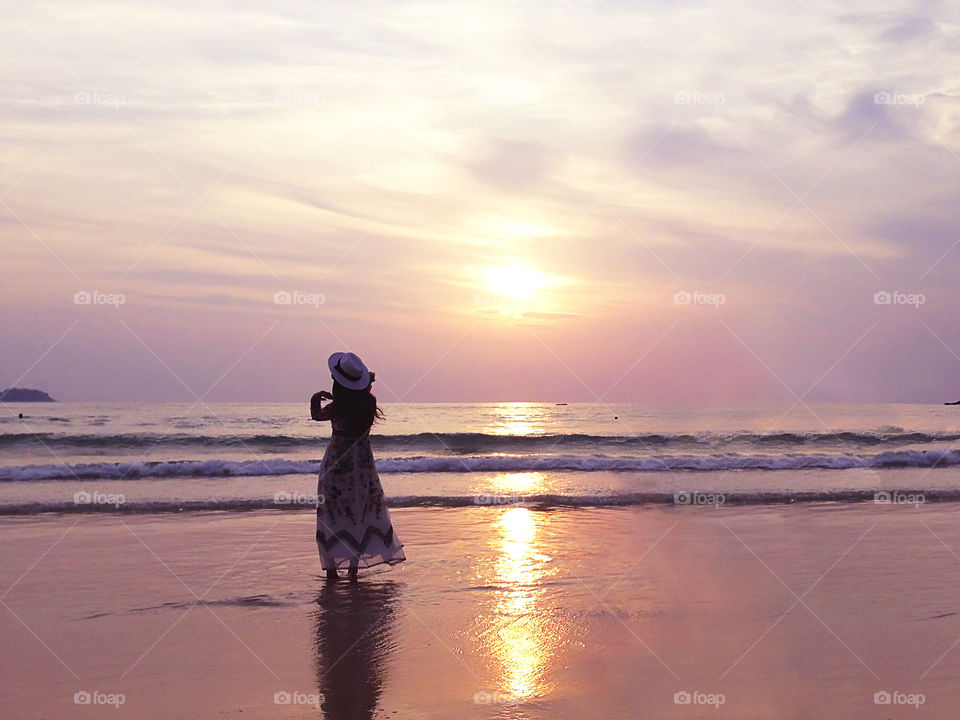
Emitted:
<point x="349" y="370"/>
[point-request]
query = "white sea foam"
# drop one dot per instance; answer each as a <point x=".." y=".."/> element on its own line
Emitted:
<point x="488" y="463"/>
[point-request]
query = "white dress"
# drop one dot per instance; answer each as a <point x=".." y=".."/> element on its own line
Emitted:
<point x="353" y="522"/>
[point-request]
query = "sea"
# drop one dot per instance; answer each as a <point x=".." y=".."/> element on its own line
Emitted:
<point x="134" y="457"/>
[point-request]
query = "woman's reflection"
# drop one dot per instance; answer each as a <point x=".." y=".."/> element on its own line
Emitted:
<point x="354" y="640"/>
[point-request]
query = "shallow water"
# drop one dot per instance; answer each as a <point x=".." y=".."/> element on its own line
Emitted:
<point x="783" y="611"/>
<point x="142" y="458"/>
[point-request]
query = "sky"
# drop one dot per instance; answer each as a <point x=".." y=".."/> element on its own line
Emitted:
<point x="664" y="202"/>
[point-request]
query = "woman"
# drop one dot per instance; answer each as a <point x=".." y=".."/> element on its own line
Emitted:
<point x="353" y="523"/>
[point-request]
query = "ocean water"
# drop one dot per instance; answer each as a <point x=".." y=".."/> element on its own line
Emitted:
<point x="234" y="456"/>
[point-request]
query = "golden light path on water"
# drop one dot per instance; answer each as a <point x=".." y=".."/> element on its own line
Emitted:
<point x="525" y="637"/>
<point x="517" y="419"/>
<point x="515" y="484"/>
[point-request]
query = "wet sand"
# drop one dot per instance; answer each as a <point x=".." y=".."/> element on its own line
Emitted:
<point x="794" y="611"/>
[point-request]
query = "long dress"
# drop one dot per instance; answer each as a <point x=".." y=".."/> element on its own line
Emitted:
<point x="353" y="523"/>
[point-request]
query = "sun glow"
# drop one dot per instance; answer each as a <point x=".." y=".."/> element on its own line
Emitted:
<point x="516" y="282"/>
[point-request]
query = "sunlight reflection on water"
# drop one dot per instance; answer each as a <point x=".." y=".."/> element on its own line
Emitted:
<point x="517" y="419"/>
<point x="525" y="637"/>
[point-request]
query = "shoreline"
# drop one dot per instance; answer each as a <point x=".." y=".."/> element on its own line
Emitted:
<point x="679" y="499"/>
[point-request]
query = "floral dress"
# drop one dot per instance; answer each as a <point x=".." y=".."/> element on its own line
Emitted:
<point x="353" y="523"/>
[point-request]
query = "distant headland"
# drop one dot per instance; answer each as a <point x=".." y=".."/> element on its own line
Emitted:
<point x="12" y="395"/>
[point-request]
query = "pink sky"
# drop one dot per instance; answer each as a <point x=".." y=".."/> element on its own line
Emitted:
<point x="487" y="201"/>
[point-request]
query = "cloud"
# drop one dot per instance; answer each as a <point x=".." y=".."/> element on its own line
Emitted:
<point x="684" y="147"/>
<point x="549" y="315"/>
<point x="909" y="27"/>
<point x="870" y="117"/>
<point x="511" y="165"/>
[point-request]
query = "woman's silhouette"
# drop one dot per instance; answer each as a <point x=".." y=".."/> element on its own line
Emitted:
<point x="354" y="641"/>
<point x="353" y="522"/>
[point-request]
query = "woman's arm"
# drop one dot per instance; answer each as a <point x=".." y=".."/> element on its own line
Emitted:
<point x="316" y="411"/>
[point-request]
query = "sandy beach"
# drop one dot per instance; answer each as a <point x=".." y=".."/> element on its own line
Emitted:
<point x="753" y="612"/>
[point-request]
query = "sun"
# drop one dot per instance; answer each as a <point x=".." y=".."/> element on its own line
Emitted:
<point x="517" y="282"/>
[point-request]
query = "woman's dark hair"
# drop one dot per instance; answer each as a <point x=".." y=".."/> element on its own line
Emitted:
<point x="356" y="408"/>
